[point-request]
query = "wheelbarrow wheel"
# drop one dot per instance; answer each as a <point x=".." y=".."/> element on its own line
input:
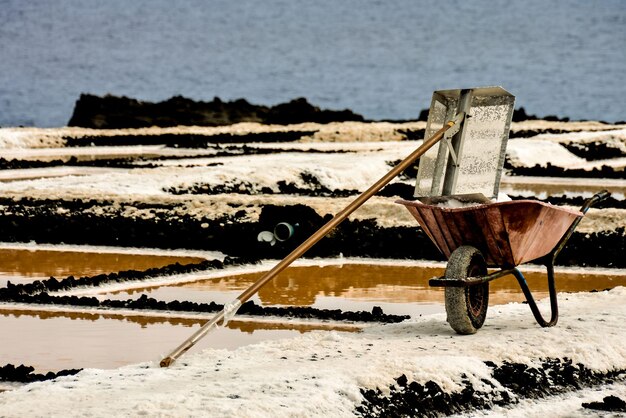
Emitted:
<point x="466" y="307"/>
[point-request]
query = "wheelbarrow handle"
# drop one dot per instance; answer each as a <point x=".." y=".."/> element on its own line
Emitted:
<point x="596" y="198"/>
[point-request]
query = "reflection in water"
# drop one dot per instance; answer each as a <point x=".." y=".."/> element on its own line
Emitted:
<point x="543" y="189"/>
<point x="61" y="340"/>
<point x="143" y="321"/>
<point x="350" y="284"/>
<point x="60" y="264"/>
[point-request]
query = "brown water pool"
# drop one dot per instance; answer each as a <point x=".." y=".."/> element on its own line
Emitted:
<point x="25" y="265"/>
<point x="397" y="289"/>
<point x="51" y="341"/>
<point x="54" y="340"/>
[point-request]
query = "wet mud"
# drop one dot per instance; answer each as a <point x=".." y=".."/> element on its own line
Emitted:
<point x="519" y="380"/>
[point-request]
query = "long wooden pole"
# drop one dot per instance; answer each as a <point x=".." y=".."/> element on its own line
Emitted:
<point x="231" y="308"/>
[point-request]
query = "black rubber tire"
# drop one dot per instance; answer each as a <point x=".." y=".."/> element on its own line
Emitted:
<point x="466" y="307"/>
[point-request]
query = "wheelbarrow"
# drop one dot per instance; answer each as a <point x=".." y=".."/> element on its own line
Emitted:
<point x="494" y="235"/>
<point x="463" y="151"/>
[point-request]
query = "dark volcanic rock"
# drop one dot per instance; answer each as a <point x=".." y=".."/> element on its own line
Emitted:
<point x="188" y="140"/>
<point x="111" y="112"/>
<point x="605" y="172"/>
<point x="56" y="221"/>
<point x="520" y="115"/>
<point x="401" y="190"/>
<point x="24" y="374"/>
<point x="578" y="201"/>
<point x="53" y="284"/>
<point x="595" y="150"/>
<point x="313" y="188"/>
<point x="528" y="133"/>
<point x="36" y="293"/>
<point x="609" y="403"/>
<point x="519" y="380"/>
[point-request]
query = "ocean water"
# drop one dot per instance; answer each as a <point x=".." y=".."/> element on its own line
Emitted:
<point x="379" y="58"/>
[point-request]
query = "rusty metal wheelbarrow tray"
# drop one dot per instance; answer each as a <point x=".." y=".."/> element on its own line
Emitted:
<point x="507" y="233"/>
<point x="502" y="235"/>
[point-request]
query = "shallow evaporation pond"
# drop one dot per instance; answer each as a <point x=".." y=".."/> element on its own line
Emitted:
<point x="398" y="289"/>
<point x="27" y="265"/>
<point x="55" y="340"/>
<point x="544" y="187"/>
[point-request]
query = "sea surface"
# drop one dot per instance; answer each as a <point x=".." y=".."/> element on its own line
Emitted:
<point x="379" y="58"/>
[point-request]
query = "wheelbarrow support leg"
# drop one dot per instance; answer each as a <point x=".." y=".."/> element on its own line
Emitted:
<point x="549" y="261"/>
<point x="554" y="304"/>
